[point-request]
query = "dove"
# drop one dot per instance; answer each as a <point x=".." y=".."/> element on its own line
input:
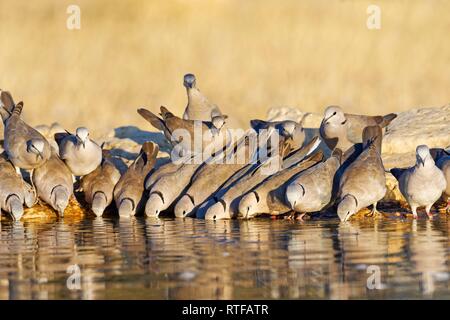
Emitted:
<point x="14" y="192"/>
<point x="287" y="128"/>
<point x="422" y="184"/>
<point x="268" y="196"/>
<point x="98" y="186"/>
<point x="129" y="192"/>
<point x="342" y="130"/>
<point x="226" y="204"/>
<point x="158" y="173"/>
<point x="210" y="177"/>
<point x="198" y="107"/>
<point x="6" y="105"/>
<point x="442" y="158"/>
<point x="26" y="147"/>
<point x="81" y="154"/>
<point x="312" y="189"/>
<point x="190" y="136"/>
<point x="53" y="182"/>
<point x="363" y="183"/>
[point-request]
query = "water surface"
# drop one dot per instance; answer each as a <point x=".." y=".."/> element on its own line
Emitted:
<point x="142" y="258"/>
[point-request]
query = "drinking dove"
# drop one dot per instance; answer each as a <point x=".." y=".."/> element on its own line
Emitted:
<point x="26" y="147"/>
<point x="14" y="192"/>
<point x="269" y="195"/>
<point x="98" y="186"/>
<point x="312" y="189"/>
<point x="53" y="182"/>
<point x="342" y="130"/>
<point x="129" y="191"/>
<point x="227" y="201"/>
<point x="422" y="184"/>
<point x="81" y="154"/>
<point x="363" y="183"/>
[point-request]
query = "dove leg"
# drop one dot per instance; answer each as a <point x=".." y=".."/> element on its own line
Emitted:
<point x="374" y="212"/>
<point x="427" y="210"/>
<point x="414" y="211"/>
<point x="300" y="217"/>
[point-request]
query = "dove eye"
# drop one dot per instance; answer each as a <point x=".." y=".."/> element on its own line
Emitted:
<point x="334" y="113"/>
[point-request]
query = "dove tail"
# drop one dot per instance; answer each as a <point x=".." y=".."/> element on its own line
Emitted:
<point x="18" y="108"/>
<point x="7" y="101"/>
<point x="165" y="113"/>
<point x="387" y="119"/>
<point x="149" y="152"/>
<point x="154" y="120"/>
<point x="372" y="137"/>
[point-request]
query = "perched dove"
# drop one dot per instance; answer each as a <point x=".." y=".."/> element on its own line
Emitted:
<point x="14" y="192"/>
<point x="98" y="186"/>
<point x="53" y="182"/>
<point x="129" y="191"/>
<point x="363" y="183"/>
<point x="79" y="152"/>
<point x="26" y="147"/>
<point x="342" y="130"/>
<point x="190" y="136"/>
<point x="422" y="184"/>
<point x="198" y="107"/>
<point x="312" y="189"/>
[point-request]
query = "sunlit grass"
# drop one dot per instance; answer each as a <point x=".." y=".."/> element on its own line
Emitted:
<point x="248" y="56"/>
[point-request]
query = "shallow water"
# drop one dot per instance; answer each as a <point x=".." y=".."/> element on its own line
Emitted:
<point x="143" y="258"/>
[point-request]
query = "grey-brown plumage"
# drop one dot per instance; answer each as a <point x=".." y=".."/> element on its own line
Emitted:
<point x="312" y="189"/>
<point x="363" y="183"/>
<point x="53" y="182"/>
<point x="159" y="172"/>
<point x="198" y="107"/>
<point x="342" y="130"/>
<point x="227" y="201"/>
<point x="129" y="191"/>
<point x="422" y="184"/>
<point x="6" y="105"/>
<point x="26" y="147"/>
<point x="268" y="196"/>
<point x="98" y="186"/>
<point x="210" y="177"/>
<point x="287" y="128"/>
<point x="14" y="192"/>
<point x="442" y="159"/>
<point x="80" y="153"/>
<point x="183" y="134"/>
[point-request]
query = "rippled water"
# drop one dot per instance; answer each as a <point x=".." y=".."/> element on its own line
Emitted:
<point x="144" y="258"/>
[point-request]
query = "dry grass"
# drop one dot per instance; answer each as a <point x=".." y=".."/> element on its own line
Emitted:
<point x="248" y="56"/>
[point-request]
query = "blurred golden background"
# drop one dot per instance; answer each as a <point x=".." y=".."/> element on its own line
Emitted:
<point x="248" y="56"/>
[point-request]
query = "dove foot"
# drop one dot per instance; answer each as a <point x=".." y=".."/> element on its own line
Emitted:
<point x="300" y="217"/>
<point x="374" y="213"/>
<point x="428" y="211"/>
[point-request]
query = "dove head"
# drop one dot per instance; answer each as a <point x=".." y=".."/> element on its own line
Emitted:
<point x="347" y="207"/>
<point x="184" y="206"/>
<point x="82" y="135"/>
<point x="99" y="203"/>
<point x="127" y="208"/>
<point x="295" y="194"/>
<point x="334" y="116"/>
<point x="248" y="205"/>
<point x="60" y="199"/>
<point x="189" y="81"/>
<point x="36" y="146"/>
<point x="217" y="211"/>
<point x="154" y="205"/>
<point x="15" y="206"/>
<point x="423" y="156"/>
